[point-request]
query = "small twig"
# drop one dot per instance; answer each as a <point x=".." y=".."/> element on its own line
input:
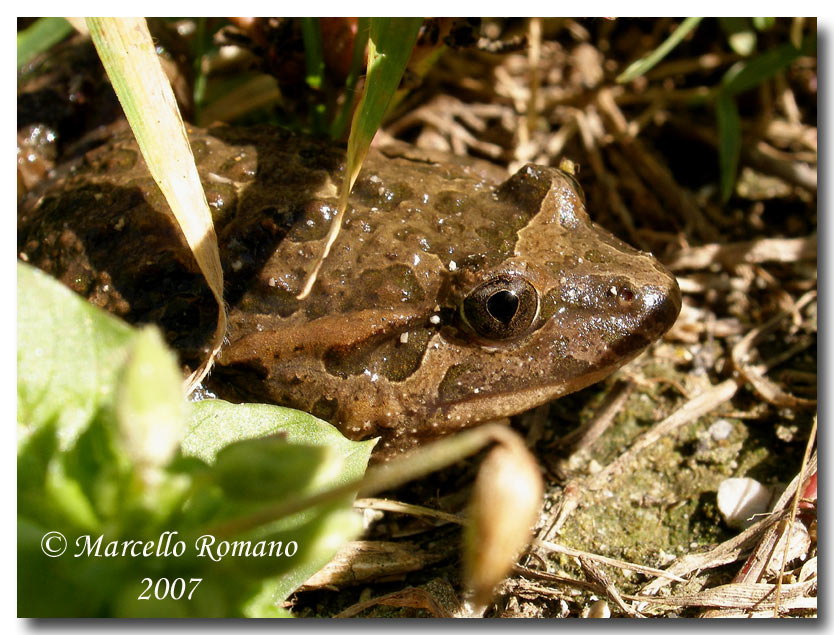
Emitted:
<point x="801" y="479"/>
<point x="613" y="562"/>
<point x="533" y="56"/>
<point x="750" y="252"/>
<point x="652" y="170"/>
<point x="597" y="575"/>
<point x="615" y="203"/>
<point x="755" y="375"/>
<point x="586" y="435"/>
<point x="383" y="504"/>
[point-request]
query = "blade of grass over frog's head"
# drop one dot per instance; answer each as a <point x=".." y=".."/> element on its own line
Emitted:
<point x="389" y="48"/>
<point x="127" y="52"/>
<point x="39" y="36"/>
<point x="360" y="44"/>
<point x="729" y="142"/>
<point x="643" y="65"/>
<point x="314" y="60"/>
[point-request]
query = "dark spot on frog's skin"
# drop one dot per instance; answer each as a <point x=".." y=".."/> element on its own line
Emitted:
<point x="374" y="192"/>
<point x="382" y="356"/>
<point x="313" y="222"/>
<point x="595" y="256"/>
<point x="121" y="160"/>
<point x="450" y="202"/>
<point x="526" y="189"/>
<point x="321" y="158"/>
<point x="453" y="388"/>
<point x="325" y="408"/>
<point x="264" y="299"/>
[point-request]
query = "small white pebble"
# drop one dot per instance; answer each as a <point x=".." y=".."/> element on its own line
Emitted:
<point x="720" y="430"/>
<point x="453" y="265"/>
<point x="739" y="499"/>
<point x="273" y="282"/>
<point x="404" y="338"/>
<point x="434" y="319"/>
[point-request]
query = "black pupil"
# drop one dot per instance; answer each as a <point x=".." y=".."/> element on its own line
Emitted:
<point x="502" y="305"/>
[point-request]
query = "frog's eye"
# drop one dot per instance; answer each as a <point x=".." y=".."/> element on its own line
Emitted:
<point x="501" y="308"/>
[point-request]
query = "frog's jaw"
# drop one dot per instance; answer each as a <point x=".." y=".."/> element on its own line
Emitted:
<point x="500" y="405"/>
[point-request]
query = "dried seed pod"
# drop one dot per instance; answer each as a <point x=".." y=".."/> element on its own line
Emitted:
<point x="504" y="507"/>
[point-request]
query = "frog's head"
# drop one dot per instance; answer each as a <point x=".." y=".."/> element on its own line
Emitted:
<point x="569" y="306"/>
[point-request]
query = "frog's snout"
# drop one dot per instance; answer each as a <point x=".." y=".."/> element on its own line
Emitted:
<point x="661" y="306"/>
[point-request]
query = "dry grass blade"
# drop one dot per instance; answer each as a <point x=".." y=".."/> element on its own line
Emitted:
<point x="794" y="508"/>
<point x="598" y="576"/>
<point x="411" y="598"/>
<point x="612" y="562"/>
<point x="129" y="57"/>
<point x="749" y="252"/>
<point x="754" y="374"/>
<point x="365" y="560"/>
<point x="756" y="597"/>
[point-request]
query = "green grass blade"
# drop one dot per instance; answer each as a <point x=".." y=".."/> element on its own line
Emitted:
<point x="389" y="49"/>
<point x="729" y="142"/>
<point x="391" y="42"/>
<point x="314" y="59"/>
<point x="643" y="65"/>
<point x="764" y="66"/>
<point x="39" y="36"/>
<point x="363" y="28"/>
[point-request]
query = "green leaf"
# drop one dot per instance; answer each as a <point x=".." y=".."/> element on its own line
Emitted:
<point x="645" y="64"/>
<point x="729" y="142"/>
<point x="98" y="464"/>
<point x="150" y="404"/>
<point x="320" y="541"/>
<point x="251" y="447"/>
<point x="39" y="36"/>
<point x="269" y="469"/>
<point x="216" y="424"/>
<point x="68" y="353"/>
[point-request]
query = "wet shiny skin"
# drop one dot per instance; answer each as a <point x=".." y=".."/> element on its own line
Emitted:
<point x="448" y="299"/>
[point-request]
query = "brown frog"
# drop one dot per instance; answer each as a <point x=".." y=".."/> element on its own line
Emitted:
<point x="448" y="300"/>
